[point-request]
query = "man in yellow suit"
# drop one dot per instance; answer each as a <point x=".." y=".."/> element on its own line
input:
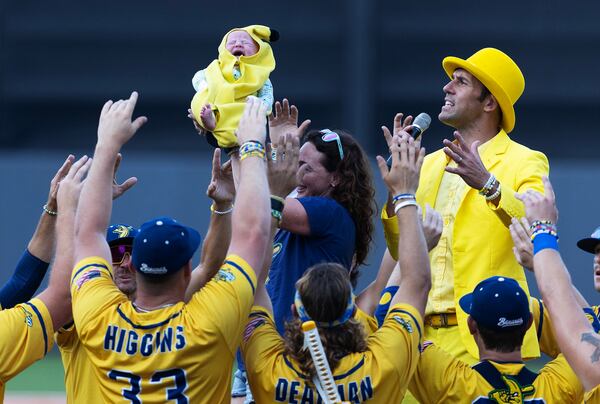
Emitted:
<point x="472" y="182"/>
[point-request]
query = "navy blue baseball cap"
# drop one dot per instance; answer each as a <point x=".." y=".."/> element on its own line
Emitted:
<point x="120" y="234"/>
<point x="590" y="243"/>
<point x="497" y="303"/>
<point x="163" y="246"/>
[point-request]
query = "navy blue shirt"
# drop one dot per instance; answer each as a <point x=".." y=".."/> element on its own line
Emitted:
<point x="332" y="238"/>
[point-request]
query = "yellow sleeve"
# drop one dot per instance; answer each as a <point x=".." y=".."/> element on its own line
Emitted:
<point x="226" y="300"/>
<point x="529" y="176"/>
<point x="400" y="333"/>
<point x="565" y="381"/>
<point x="25" y="337"/>
<point x="543" y="327"/>
<point x="368" y="322"/>
<point x="261" y="343"/>
<point x="66" y="337"/>
<point x="435" y="374"/>
<point x="390" y="232"/>
<point x="92" y="291"/>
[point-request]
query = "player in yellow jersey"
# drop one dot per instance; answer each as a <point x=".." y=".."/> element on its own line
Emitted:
<point x="377" y="368"/>
<point x="157" y="348"/>
<point x="499" y="317"/>
<point x="81" y="384"/>
<point x="26" y="330"/>
<point x="575" y="335"/>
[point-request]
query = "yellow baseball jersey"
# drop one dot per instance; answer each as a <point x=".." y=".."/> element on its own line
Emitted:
<point x="180" y="353"/>
<point x="81" y="384"/>
<point x="369" y="322"/>
<point x="593" y="396"/>
<point x="380" y="374"/>
<point x="25" y="337"/>
<point x="440" y="378"/>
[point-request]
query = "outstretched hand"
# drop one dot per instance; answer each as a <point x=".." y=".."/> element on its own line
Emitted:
<point x="407" y="159"/>
<point x="52" y="204"/>
<point x="400" y="125"/>
<point x="433" y="225"/>
<point x="120" y="189"/>
<point x="116" y="126"/>
<point x="538" y="206"/>
<point x="253" y="124"/>
<point x="221" y="188"/>
<point x="283" y="165"/>
<point x="284" y="120"/>
<point x="523" y="247"/>
<point x="468" y="162"/>
<point x="71" y="185"/>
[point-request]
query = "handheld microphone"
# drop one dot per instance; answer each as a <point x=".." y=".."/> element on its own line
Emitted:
<point x="419" y="125"/>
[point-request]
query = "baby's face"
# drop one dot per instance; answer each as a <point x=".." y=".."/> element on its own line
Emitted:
<point x="240" y="43"/>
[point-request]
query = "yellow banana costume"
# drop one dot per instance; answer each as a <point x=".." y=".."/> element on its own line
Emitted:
<point x="224" y="93"/>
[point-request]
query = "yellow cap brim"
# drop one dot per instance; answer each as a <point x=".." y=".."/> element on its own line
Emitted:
<point x="451" y="63"/>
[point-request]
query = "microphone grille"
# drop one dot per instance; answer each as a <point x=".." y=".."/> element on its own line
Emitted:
<point x="423" y="120"/>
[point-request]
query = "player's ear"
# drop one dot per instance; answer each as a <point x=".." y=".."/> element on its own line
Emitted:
<point x="472" y="325"/>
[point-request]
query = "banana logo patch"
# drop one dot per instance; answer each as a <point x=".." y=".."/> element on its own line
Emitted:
<point x="514" y="394"/>
<point x="28" y="317"/>
<point x="122" y="231"/>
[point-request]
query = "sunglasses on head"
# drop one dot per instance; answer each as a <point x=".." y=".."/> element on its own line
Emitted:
<point x="330" y="136"/>
<point x="118" y="253"/>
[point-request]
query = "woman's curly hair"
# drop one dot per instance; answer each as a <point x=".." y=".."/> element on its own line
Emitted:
<point x="354" y="191"/>
<point x="324" y="290"/>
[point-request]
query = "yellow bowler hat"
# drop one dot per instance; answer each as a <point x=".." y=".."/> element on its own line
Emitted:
<point x="499" y="73"/>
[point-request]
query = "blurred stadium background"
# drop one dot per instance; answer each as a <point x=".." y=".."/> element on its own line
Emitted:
<point x="347" y="64"/>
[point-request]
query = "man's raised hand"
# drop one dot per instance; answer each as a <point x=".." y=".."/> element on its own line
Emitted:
<point x="253" y="125"/>
<point x="538" y="206"/>
<point x="116" y="126"/>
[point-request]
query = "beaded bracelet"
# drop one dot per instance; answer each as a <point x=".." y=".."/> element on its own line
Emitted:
<point x="538" y="222"/>
<point x="489" y="185"/>
<point x="494" y="195"/>
<point x="276" y="214"/>
<point x="400" y="197"/>
<point x="48" y="211"/>
<point x="542" y="228"/>
<point x="252" y="148"/>
<point x="409" y="202"/>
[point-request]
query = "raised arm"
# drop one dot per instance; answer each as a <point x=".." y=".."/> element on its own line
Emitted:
<point x="523" y="251"/>
<point x="402" y="180"/>
<point x="576" y="337"/>
<point x="57" y="297"/>
<point x="214" y="250"/>
<point x="31" y="268"/>
<point x="114" y="130"/>
<point x="252" y="213"/>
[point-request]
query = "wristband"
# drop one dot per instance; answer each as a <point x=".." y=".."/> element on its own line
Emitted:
<point x="220" y="212"/>
<point x="543" y="241"/>
<point x="400" y="205"/>
<point x="401" y="197"/>
<point x="489" y="184"/>
<point x="48" y="211"/>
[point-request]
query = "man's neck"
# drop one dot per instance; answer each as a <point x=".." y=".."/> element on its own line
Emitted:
<point x="490" y="355"/>
<point x="481" y="133"/>
<point x="147" y="301"/>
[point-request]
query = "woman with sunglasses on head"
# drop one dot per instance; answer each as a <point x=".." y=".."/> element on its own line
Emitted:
<point x="329" y="217"/>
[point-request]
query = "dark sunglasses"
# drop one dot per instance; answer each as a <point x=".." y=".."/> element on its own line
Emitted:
<point x="118" y="253"/>
<point x="330" y="136"/>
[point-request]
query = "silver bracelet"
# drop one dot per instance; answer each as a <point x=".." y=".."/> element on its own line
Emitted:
<point x="48" y="211"/>
<point x="400" y="205"/>
<point x="220" y="212"/>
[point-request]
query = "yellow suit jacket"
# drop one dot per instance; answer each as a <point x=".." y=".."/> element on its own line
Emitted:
<point x="482" y="246"/>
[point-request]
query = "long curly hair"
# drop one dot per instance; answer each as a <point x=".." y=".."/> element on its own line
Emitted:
<point x="355" y="190"/>
<point x="324" y="290"/>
